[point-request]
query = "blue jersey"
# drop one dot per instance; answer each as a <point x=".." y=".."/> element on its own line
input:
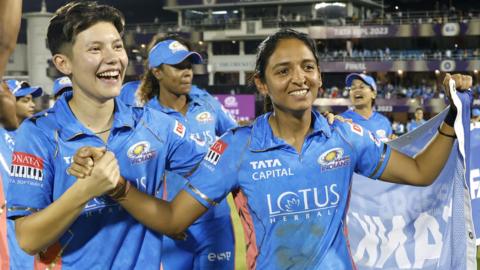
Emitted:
<point x="104" y="236"/>
<point x="18" y="258"/>
<point x="293" y="206"/>
<point x="414" y="124"/>
<point x="377" y="123"/>
<point x="205" y="120"/>
<point x="128" y="93"/>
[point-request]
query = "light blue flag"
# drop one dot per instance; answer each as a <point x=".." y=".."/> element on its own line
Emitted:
<point x="474" y="183"/>
<point x="393" y="226"/>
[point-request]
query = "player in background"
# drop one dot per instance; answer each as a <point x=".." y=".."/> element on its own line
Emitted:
<point x="417" y="120"/>
<point x="167" y="86"/>
<point x="363" y="91"/>
<point x="60" y="86"/>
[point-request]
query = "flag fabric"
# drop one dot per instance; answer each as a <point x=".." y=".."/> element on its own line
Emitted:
<point x="394" y="226"/>
<point x="474" y="183"/>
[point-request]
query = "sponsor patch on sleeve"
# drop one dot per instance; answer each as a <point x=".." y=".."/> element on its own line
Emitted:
<point x="26" y="165"/>
<point x="179" y="129"/>
<point x="374" y="139"/>
<point x="356" y="128"/>
<point x="215" y="152"/>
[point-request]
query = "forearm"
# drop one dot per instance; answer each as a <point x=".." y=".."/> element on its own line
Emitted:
<point x="40" y="230"/>
<point x="432" y="159"/>
<point x="161" y="216"/>
<point x="424" y="168"/>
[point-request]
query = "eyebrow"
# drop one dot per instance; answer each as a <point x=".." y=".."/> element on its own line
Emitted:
<point x="101" y="42"/>
<point x="286" y="63"/>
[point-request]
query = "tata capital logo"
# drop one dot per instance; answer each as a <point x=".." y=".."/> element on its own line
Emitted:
<point x="333" y="159"/>
<point x="140" y="152"/>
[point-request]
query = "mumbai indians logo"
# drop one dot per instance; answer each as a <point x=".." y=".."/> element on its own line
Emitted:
<point x="204" y="117"/>
<point x="176" y="47"/>
<point x="333" y="159"/>
<point x="140" y="152"/>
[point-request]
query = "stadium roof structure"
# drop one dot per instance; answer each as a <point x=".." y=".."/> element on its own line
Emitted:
<point x="240" y="3"/>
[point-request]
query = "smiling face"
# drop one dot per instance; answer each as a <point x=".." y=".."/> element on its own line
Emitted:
<point x="361" y="94"/>
<point x="96" y="62"/>
<point x="292" y="77"/>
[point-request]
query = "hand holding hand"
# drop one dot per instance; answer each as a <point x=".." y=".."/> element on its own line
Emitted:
<point x="84" y="159"/>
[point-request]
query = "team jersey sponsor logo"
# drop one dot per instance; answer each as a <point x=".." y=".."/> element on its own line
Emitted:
<point x="269" y="168"/>
<point x="374" y="139"/>
<point x="222" y="256"/>
<point x="381" y="133"/>
<point x="204" y="117"/>
<point x="140" y="152"/>
<point x="179" y="129"/>
<point x="304" y="203"/>
<point x="356" y="128"/>
<point x="215" y="152"/>
<point x="26" y="165"/>
<point x="333" y="159"/>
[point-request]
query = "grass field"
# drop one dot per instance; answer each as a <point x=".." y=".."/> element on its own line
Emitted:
<point x="240" y="263"/>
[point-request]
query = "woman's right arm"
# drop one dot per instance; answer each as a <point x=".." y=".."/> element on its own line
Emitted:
<point x="41" y="229"/>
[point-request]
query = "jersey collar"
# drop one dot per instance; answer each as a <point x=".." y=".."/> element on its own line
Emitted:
<point x="155" y="104"/>
<point x="71" y="127"/>
<point x="262" y="138"/>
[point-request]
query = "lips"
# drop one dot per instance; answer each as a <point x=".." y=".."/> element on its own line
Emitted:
<point x="109" y="75"/>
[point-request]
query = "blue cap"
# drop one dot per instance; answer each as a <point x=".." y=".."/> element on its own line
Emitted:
<point x="171" y="52"/>
<point x="476" y="112"/>
<point x="22" y="88"/>
<point x="62" y="83"/>
<point x="370" y="81"/>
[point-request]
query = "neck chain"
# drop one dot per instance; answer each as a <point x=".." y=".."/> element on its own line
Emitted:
<point x="103" y="131"/>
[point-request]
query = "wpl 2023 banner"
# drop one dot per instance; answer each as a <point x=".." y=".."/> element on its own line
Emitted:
<point x="403" y="227"/>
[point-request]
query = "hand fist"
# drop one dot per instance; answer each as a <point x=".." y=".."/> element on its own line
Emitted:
<point x="84" y="159"/>
<point x="462" y="82"/>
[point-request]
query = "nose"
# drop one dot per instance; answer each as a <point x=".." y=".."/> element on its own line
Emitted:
<point x="111" y="56"/>
<point x="298" y="76"/>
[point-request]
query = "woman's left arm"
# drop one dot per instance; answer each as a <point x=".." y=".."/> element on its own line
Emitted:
<point x="424" y="168"/>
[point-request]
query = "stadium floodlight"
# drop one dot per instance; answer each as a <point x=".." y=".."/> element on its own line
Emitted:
<point x="324" y="5"/>
<point x="219" y="12"/>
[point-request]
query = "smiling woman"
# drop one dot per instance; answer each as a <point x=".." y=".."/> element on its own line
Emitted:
<point x="74" y="222"/>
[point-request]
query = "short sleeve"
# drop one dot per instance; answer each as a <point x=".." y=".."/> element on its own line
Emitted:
<point x="371" y="154"/>
<point x="183" y="154"/>
<point x="225" y="120"/>
<point x="31" y="181"/>
<point x="217" y="174"/>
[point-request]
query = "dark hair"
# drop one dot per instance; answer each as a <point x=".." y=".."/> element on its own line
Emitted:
<point x="419" y="109"/>
<point x="75" y="17"/>
<point x="268" y="46"/>
<point x="149" y="86"/>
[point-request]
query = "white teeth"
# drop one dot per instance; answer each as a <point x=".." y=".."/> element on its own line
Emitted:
<point x="298" y="93"/>
<point x="112" y="73"/>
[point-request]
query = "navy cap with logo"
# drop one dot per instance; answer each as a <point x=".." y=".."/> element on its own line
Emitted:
<point x="22" y="88"/>
<point x="370" y="81"/>
<point x="171" y="52"/>
<point x="62" y="85"/>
